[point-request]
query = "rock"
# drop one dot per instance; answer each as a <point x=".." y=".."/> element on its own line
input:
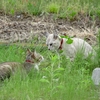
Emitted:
<point x="96" y="76"/>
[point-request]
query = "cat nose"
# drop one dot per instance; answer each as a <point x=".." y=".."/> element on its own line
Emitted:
<point x="48" y="49"/>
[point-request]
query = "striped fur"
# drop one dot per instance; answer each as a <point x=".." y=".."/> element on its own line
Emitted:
<point x="33" y="59"/>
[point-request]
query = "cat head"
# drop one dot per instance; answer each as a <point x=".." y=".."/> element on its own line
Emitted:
<point x="53" y="41"/>
<point x="33" y="56"/>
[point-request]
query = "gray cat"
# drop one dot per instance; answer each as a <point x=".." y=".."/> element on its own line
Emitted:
<point x="33" y="59"/>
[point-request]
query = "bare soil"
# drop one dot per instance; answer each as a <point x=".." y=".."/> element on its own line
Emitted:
<point x="22" y="27"/>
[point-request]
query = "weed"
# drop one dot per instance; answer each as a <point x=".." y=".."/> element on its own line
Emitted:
<point x="63" y="9"/>
<point x="53" y="8"/>
<point x="34" y="7"/>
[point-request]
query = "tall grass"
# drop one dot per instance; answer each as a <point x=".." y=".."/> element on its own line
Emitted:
<point x="72" y="80"/>
<point x="62" y="8"/>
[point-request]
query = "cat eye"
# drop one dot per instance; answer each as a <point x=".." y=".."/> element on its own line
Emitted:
<point x="51" y="44"/>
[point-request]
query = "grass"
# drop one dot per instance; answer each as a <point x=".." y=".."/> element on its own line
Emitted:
<point x="71" y="81"/>
<point x="63" y="9"/>
<point x="53" y="8"/>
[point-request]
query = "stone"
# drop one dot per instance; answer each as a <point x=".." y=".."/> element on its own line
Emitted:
<point x="96" y="76"/>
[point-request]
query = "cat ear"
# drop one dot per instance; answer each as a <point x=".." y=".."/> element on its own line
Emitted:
<point x="28" y="51"/>
<point x="55" y="35"/>
<point x="34" y="51"/>
<point x="33" y="55"/>
<point x="46" y="34"/>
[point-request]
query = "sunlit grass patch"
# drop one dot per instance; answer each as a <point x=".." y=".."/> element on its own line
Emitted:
<point x="34" y="7"/>
<point x="53" y="8"/>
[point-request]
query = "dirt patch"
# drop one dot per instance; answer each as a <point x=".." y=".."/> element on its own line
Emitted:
<point x="23" y="28"/>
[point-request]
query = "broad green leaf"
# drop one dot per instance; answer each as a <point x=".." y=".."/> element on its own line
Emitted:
<point x="69" y="41"/>
<point x="44" y="80"/>
<point x="57" y="75"/>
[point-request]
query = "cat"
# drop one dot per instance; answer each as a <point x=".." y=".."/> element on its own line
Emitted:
<point x="55" y="43"/>
<point x="33" y="59"/>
